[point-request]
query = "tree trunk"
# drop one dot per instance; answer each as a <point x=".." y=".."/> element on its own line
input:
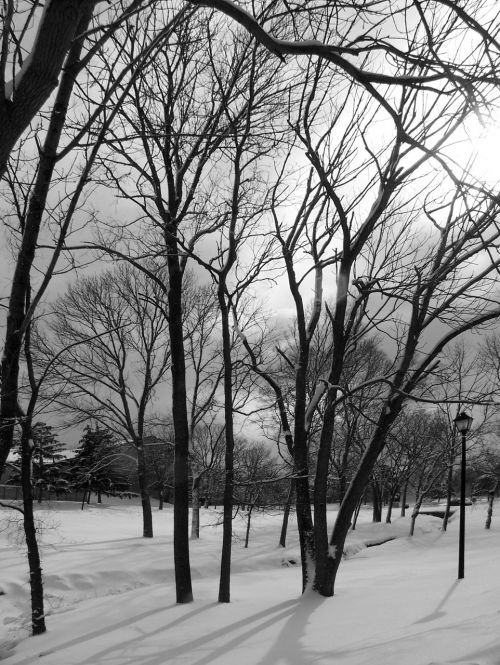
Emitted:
<point x="183" y="586"/>
<point x="357" y="487"/>
<point x="404" y="494"/>
<point x="286" y="513"/>
<point x="377" y="502"/>
<point x="227" y="536"/>
<point x="322" y="554"/>
<point x="325" y="554"/>
<point x="147" y="514"/>
<point x="36" y="581"/>
<point x="305" y="527"/>
<point x="449" y="488"/>
<point x="69" y="16"/>
<point x="195" y="508"/>
<point x="416" y="509"/>
<point x="388" y="516"/>
<point x="160" y="500"/>
<point x="491" y="499"/>
<point x="249" y="518"/>
<point x="356" y="513"/>
<point x="59" y="24"/>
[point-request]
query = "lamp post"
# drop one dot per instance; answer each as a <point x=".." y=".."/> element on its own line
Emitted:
<point x="462" y="423"/>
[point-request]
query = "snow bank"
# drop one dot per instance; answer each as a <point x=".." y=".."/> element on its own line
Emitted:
<point x="111" y="601"/>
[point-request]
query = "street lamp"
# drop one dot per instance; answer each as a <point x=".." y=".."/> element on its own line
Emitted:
<point x="463" y="423"/>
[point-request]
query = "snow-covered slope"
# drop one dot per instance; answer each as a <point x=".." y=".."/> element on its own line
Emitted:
<point x="111" y="601"/>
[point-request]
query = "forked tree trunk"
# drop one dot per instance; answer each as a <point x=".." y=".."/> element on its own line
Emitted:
<point x="326" y="553"/>
<point x="356" y="489"/>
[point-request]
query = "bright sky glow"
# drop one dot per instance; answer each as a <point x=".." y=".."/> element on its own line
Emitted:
<point x="481" y="149"/>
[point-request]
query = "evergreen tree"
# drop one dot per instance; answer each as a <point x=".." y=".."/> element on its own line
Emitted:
<point x="49" y="467"/>
<point x="96" y="467"/>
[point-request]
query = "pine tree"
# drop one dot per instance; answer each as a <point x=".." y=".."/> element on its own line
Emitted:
<point x="49" y="471"/>
<point x="94" y="467"/>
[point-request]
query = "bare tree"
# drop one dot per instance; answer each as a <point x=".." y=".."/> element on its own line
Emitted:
<point x="44" y="204"/>
<point x="179" y="130"/>
<point x="207" y="455"/>
<point x="359" y="218"/>
<point x="112" y="378"/>
<point x="257" y="473"/>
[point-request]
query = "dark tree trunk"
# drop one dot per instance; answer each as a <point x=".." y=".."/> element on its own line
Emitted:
<point x="377" y="502"/>
<point x="227" y="536"/>
<point x="286" y="513"/>
<point x="195" y="508"/>
<point x="491" y="499"/>
<point x="356" y="513"/>
<point x="323" y="558"/>
<point x="249" y="519"/>
<point x="35" y="568"/>
<point x="304" y="517"/>
<point x="342" y="486"/>
<point x="66" y="17"/>
<point x="357" y="487"/>
<point x="404" y="494"/>
<point x="59" y="25"/>
<point x="449" y="491"/>
<point x="390" y="505"/>
<point x="183" y="586"/>
<point x="147" y="514"/>
<point x="324" y="553"/>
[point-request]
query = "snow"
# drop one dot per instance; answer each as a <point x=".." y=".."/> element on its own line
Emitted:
<point x="111" y="601"/>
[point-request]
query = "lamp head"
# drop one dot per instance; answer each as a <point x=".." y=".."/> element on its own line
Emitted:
<point x="463" y="422"/>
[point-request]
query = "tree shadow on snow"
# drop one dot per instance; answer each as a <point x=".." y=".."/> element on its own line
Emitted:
<point x="136" y="649"/>
<point x="230" y="633"/>
<point x="287" y="647"/>
<point x="438" y="612"/>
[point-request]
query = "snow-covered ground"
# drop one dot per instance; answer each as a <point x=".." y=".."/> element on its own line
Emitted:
<point x="110" y="595"/>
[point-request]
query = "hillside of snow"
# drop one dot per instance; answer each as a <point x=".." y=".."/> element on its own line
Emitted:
<point x="110" y="597"/>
